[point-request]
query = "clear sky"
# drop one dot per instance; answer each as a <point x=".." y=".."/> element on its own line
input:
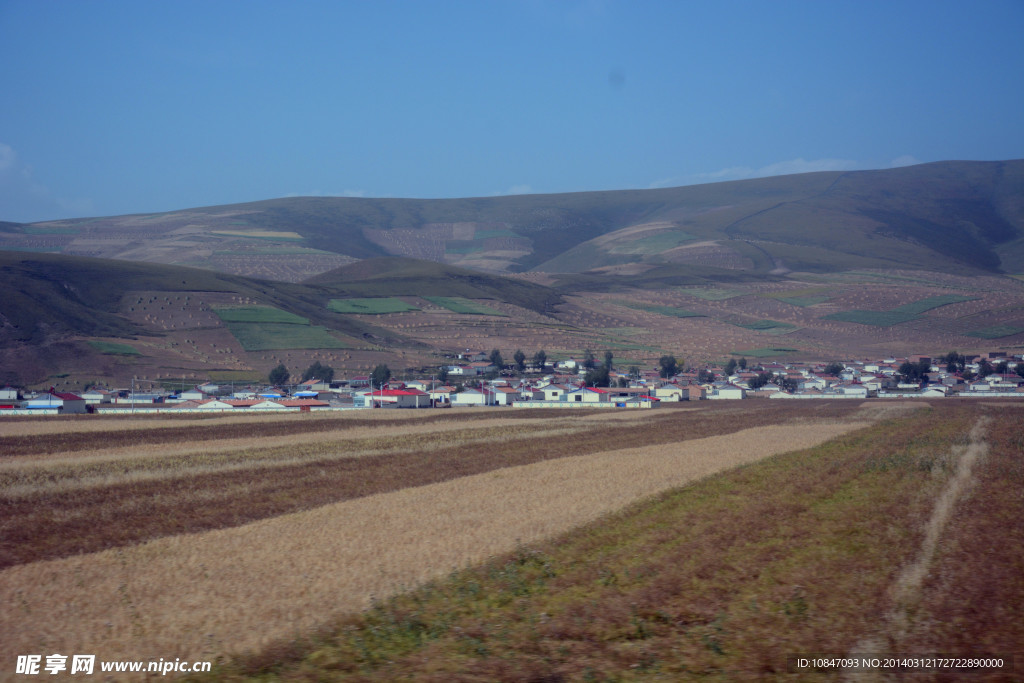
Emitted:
<point x="122" y="106"/>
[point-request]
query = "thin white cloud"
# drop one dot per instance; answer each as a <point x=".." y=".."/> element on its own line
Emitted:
<point x="905" y="160"/>
<point x="791" y="167"/>
<point x="8" y="158"/>
<point x="515" y="189"/>
<point x="24" y="199"/>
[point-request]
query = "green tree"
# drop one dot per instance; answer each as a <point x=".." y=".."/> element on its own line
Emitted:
<point x="589" y="362"/>
<point x="954" y="362"/>
<point x="540" y="359"/>
<point x="914" y="372"/>
<point x="634" y="371"/>
<point x="442" y="375"/>
<point x="380" y="375"/>
<point x="730" y="367"/>
<point x="608" y="357"/>
<point x="984" y="368"/>
<point x="1002" y="367"/>
<point x="324" y="373"/>
<point x="668" y="366"/>
<point x="743" y="363"/>
<point x="278" y="375"/>
<point x="834" y="368"/>
<point x="496" y="360"/>
<point x="520" y="358"/>
<point x="786" y="383"/>
<point x="705" y="376"/>
<point x="597" y="377"/>
<point x="761" y="380"/>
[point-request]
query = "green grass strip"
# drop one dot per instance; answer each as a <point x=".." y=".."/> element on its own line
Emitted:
<point x="269" y="336"/>
<point x="898" y="315"/>
<point x="996" y="331"/>
<point x="113" y="349"/>
<point x="259" y="314"/>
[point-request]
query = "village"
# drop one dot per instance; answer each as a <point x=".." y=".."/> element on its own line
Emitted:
<point x="475" y="381"/>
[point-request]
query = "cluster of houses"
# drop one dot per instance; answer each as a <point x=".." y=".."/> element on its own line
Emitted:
<point x="561" y="388"/>
<point x="856" y="380"/>
<point x="207" y="397"/>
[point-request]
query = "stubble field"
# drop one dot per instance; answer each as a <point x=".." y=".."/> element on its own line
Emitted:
<point x="259" y="541"/>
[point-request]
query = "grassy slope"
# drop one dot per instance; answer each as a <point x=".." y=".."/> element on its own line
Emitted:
<point x="386" y="277"/>
<point x="49" y="295"/>
<point x="722" y="579"/>
<point x="949" y="216"/>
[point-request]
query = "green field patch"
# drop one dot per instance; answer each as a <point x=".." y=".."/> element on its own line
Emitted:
<point x="997" y="331"/>
<point x="258" y="314"/>
<point x="370" y="306"/>
<point x="765" y="325"/>
<point x="114" y="349"/>
<point x="710" y="294"/>
<point x="898" y="315"/>
<point x="654" y="244"/>
<point x="270" y="336"/>
<point x="919" y="307"/>
<point x="766" y="352"/>
<point x="670" y="311"/>
<point x="624" y="331"/>
<point x="462" y="249"/>
<point x="457" y="304"/>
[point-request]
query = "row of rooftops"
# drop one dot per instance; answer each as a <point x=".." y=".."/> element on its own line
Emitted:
<point x="878" y="377"/>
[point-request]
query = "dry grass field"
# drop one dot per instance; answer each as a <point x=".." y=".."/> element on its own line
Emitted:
<point x="711" y="539"/>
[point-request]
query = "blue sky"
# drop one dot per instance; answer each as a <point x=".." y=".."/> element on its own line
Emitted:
<point x="113" y="107"/>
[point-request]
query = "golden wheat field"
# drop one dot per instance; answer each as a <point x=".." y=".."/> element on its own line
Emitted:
<point x="461" y="488"/>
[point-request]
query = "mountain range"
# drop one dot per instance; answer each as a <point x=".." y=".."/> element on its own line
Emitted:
<point x="552" y="261"/>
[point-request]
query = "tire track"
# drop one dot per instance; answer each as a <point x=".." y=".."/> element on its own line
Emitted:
<point x="905" y="591"/>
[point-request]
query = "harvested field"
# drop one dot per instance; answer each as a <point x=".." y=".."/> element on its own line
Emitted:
<point x="727" y="578"/>
<point x="234" y="535"/>
<point x="334" y="558"/>
<point x="82" y="501"/>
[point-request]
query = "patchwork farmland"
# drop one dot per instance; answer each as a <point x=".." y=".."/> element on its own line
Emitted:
<point x="697" y="541"/>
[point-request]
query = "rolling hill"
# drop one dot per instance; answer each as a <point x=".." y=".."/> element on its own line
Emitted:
<point x="72" y="315"/>
<point x="821" y="265"/>
<point x="958" y="216"/>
